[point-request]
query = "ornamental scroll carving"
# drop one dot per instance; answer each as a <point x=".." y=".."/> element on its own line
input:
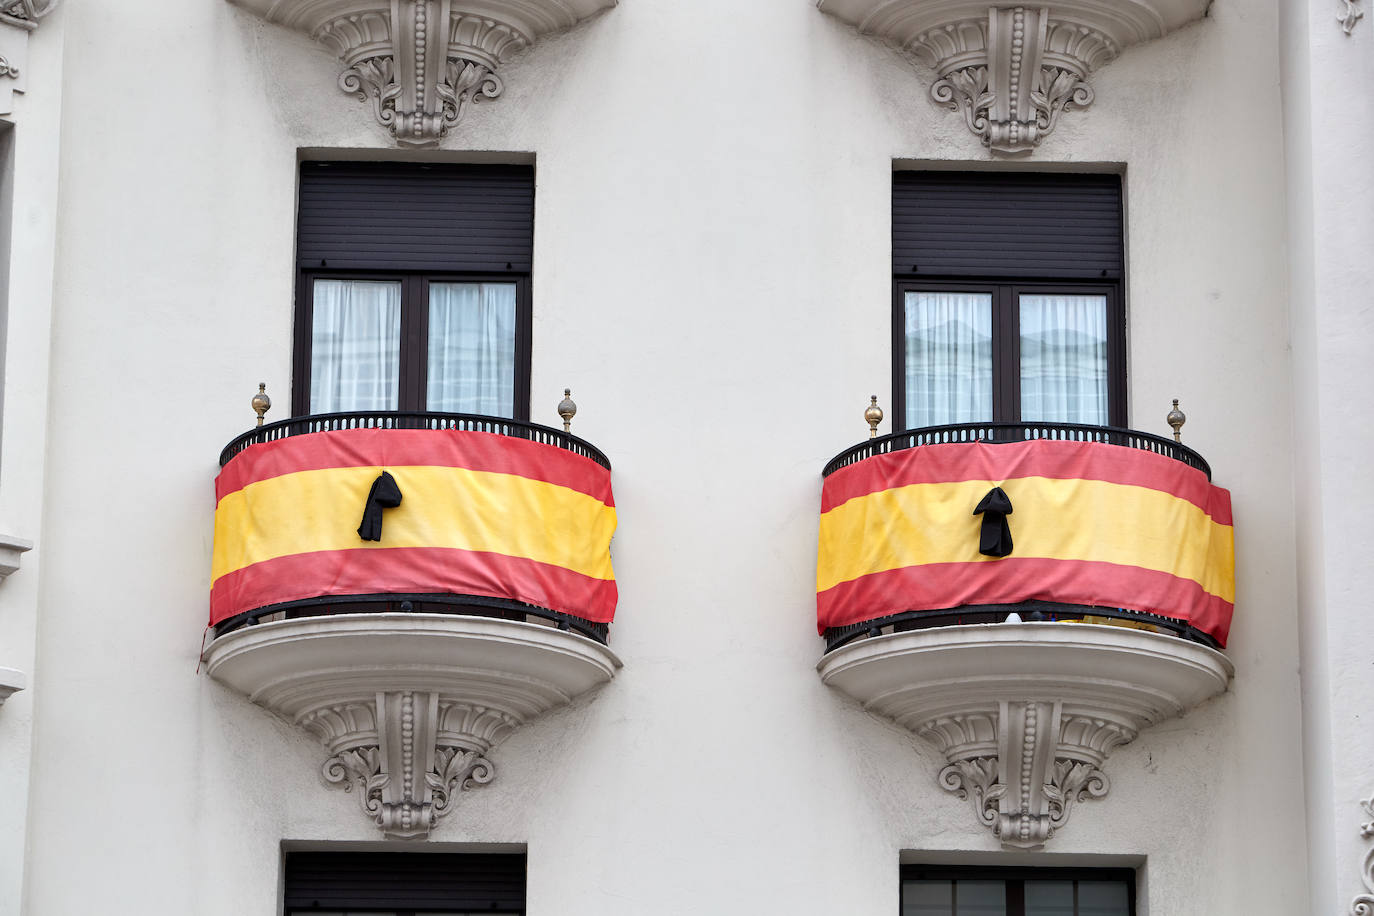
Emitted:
<point x="1025" y="767"/>
<point x="408" y="755"/>
<point x="17" y="19"/>
<point x="1363" y="905"/>
<point x="419" y="64"/>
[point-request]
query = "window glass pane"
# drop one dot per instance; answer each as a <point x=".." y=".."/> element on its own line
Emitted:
<point x="1049" y="898"/>
<point x="980" y="898"/>
<point x="1103" y="898"/>
<point x="948" y="358"/>
<point x="927" y="898"/>
<point x="1064" y="358"/>
<point x="355" y="345"/>
<point x="472" y="348"/>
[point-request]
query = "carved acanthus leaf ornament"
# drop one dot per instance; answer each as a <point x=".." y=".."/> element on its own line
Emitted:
<point x="1012" y="71"/>
<point x="419" y="64"/>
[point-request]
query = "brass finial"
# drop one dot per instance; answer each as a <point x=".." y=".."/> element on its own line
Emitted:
<point x="567" y="410"/>
<point x="261" y="402"/>
<point x="874" y="416"/>
<point x="1176" y="419"/>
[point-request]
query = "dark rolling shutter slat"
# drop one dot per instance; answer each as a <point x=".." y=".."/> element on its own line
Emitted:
<point x="391" y="880"/>
<point x="408" y="216"/>
<point x="1004" y="224"/>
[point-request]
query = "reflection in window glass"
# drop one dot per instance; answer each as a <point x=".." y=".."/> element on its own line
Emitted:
<point x="472" y="348"/>
<point x="1064" y="359"/>
<point x="1049" y="898"/>
<point x="355" y="345"/>
<point x="980" y="898"/>
<point x="948" y="358"/>
<point x="928" y="898"/>
<point x="1102" y="898"/>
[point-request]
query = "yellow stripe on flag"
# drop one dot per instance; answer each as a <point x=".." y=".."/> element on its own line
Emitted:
<point x="440" y="507"/>
<point x="1051" y="519"/>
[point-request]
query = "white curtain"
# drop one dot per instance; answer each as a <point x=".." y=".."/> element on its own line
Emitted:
<point x="355" y="345"/>
<point x="1064" y="359"/>
<point x="948" y="358"/>
<point x="472" y="348"/>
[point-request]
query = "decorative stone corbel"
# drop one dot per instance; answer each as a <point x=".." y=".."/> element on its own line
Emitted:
<point x="408" y="755"/>
<point x="17" y="19"/>
<point x="420" y="63"/>
<point x="1013" y="70"/>
<point x="1025" y="765"/>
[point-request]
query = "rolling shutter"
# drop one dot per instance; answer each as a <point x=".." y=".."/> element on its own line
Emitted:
<point x="413" y="216"/>
<point x="1006" y="224"/>
<point x="446" y="882"/>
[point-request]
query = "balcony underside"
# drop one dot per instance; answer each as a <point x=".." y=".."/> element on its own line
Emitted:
<point x="408" y="706"/>
<point x="1026" y="714"/>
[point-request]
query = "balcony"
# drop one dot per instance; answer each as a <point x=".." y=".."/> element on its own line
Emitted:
<point x="1027" y="598"/>
<point x="410" y="588"/>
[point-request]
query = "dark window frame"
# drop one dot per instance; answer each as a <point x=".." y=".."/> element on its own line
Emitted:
<point x="1006" y="337"/>
<point x="414" y="355"/>
<point x="1015" y="878"/>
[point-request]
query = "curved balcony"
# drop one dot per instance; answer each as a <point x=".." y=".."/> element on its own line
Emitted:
<point x="410" y="587"/>
<point x="1028" y="597"/>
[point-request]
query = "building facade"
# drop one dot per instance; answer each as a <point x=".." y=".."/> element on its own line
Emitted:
<point x="690" y="214"/>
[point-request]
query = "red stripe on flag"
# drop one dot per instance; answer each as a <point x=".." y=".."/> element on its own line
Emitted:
<point x="999" y="461"/>
<point x="477" y="451"/>
<point x="411" y="570"/>
<point x="938" y="586"/>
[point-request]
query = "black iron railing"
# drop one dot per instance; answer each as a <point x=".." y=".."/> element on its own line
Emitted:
<point x="403" y="419"/>
<point x="459" y="605"/>
<point x="1029" y="611"/>
<point x="1017" y="432"/>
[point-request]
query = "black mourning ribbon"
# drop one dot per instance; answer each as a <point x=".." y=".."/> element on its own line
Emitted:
<point x="995" y="539"/>
<point x="383" y="495"/>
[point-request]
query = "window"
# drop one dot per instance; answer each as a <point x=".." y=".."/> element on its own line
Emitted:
<point x="1007" y="301"/>
<point x="404" y="883"/>
<point x="414" y="288"/>
<point x="971" y="891"/>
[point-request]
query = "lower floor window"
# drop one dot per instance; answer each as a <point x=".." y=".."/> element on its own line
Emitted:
<point x="972" y="891"/>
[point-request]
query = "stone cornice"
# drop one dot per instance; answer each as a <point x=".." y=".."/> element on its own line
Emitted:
<point x="1026" y="714"/>
<point x="1013" y="70"/>
<point x="420" y="63"/>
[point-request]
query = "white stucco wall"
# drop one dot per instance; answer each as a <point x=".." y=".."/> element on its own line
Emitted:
<point x="1330" y="183"/>
<point x="712" y="278"/>
<point x="26" y="297"/>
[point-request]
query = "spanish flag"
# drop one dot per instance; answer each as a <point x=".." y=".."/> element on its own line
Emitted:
<point x="1092" y="524"/>
<point x="480" y="514"/>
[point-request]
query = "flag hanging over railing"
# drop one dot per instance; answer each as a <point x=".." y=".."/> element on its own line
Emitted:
<point x="1092" y="524"/>
<point x="479" y="514"/>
